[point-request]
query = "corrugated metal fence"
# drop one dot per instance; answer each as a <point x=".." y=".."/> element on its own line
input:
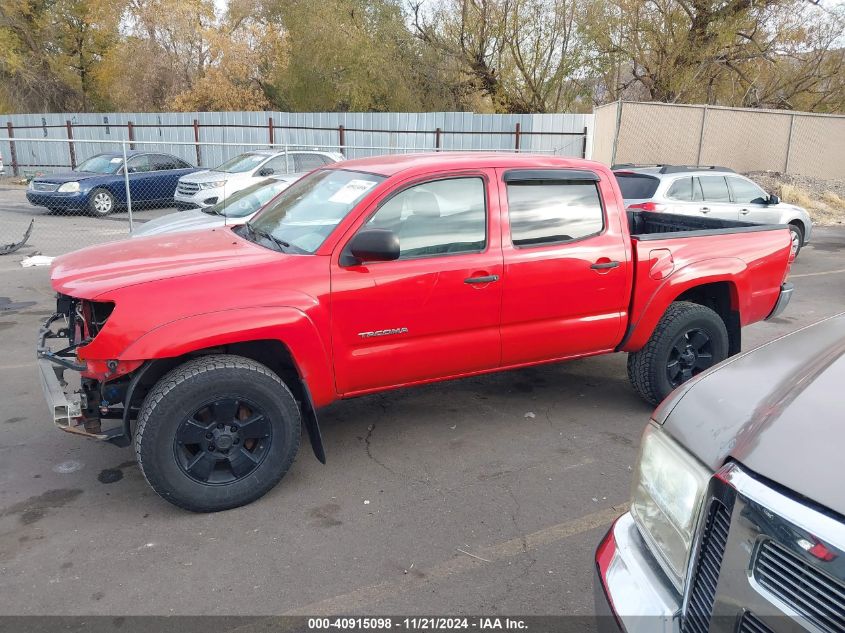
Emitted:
<point x="207" y="139"/>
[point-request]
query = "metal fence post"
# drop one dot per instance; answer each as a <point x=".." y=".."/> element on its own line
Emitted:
<point x="71" y="145"/>
<point x="789" y="144"/>
<point x="341" y="138"/>
<point x="130" y="128"/>
<point x="197" y="141"/>
<point x="270" y="132"/>
<point x="584" y="143"/>
<point x="616" y="132"/>
<point x="517" y="134"/>
<point x="437" y="139"/>
<point x="701" y="135"/>
<point x="12" y="150"/>
<point x="126" y="184"/>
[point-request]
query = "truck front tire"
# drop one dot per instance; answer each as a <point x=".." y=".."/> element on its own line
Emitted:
<point x="216" y="433"/>
<point x="688" y="339"/>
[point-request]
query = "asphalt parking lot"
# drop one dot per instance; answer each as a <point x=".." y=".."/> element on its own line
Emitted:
<point x="486" y="495"/>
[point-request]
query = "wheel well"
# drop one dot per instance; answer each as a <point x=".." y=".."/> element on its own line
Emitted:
<point x="271" y="353"/>
<point x="721" y="297"/>
<point x="800" y="225"/>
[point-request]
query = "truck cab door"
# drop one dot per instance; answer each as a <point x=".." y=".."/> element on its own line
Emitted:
<point x="434" y="312"/>
<point x="567" y="278"/>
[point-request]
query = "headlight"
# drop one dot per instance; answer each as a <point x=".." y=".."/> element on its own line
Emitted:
<point x="669" y="487"/>
<point x="69" y="187"/>
<point x="212" y="185"/>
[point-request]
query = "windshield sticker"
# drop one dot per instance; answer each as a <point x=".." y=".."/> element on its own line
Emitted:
<point x="352" y="190"/>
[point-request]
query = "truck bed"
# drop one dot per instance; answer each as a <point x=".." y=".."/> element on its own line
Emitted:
<point x="648" y="225"/>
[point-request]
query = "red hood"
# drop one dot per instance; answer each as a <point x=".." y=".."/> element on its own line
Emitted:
<point x="92" y="271"/>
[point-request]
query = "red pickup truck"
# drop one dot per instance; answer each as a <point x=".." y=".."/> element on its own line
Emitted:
<point x="372" y="274"/>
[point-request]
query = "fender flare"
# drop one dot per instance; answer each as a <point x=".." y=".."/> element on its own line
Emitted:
<point x="290" y="326"/>
<point x="732" y="270"/>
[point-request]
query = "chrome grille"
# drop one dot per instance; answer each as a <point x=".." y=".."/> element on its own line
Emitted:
<point x="706" y="576"/>
<point x="187" y="188"/>
<point x="750" y="623"/>
<point x="806" y="589"/>
<point x="44" y="186"/>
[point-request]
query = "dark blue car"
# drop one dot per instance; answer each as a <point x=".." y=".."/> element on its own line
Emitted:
<point x="98" y="185"/>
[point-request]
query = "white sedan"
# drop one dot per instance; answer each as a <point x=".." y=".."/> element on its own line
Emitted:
<point x="236" y="209"/>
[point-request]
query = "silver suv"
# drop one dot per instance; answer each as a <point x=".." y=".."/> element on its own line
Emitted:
<point x="716" y="192"/>
<point x="206" y="188"/>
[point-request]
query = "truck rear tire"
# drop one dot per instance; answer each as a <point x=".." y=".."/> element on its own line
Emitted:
<point x="216" y="433"/>
<point x="688" y="339"/>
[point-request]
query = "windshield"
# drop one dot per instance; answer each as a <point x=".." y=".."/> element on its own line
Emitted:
<point x="242" y="163"/>
<point x="101" y="164"/>
<point x="247" y="201"/>
<point x="636" y="186"/>
<point x="304" y="214"/>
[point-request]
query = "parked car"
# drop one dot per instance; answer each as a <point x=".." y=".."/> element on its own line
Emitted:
<point x="381" y="273"/>
<point x="98" y="185"/>
<point x="715" y="192"/>
<point x="737" y="520"/>
<point x="236" y="209"/>
<point x="210" y="186"/>
<point x="2" y="167"/>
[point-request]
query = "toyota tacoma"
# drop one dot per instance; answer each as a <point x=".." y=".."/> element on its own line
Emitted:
<point x="210" y="349"/>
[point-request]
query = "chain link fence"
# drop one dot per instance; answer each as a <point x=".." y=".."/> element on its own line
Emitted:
<point x="740" y="138"/>
<point x="95" y="191"/>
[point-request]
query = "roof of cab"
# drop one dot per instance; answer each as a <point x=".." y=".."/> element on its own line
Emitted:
<point x="391" y="164"/>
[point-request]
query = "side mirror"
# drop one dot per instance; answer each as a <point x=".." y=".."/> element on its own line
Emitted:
<point x="371" y="245"/>
<point x="773" y="199"/>
<point x="267" y="171"/>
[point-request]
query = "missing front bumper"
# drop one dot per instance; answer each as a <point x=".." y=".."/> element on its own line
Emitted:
<point x="67" y="407"/>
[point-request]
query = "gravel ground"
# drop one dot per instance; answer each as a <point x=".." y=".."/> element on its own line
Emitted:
<point x="823" y="199"/>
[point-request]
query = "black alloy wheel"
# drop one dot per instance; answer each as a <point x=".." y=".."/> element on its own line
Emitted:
<point x="223" y="441"/>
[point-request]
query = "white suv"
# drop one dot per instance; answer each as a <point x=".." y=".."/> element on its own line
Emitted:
<point x="716" y="192"/>
<point x="202" y="189"/>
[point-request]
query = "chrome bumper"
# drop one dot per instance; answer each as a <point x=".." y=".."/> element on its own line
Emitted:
<point x="783" y="300"/>
<point x="630" y="588"/>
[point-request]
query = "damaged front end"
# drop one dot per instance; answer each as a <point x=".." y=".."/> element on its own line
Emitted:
<point x="89" y="402"/>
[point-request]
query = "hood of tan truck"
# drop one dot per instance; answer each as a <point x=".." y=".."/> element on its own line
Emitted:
<point x="777" y="410"/>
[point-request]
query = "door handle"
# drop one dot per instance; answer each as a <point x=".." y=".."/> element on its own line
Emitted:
<point x="604" y="265"/>
<point x="705" y="209"/>
<point x="745" y="211"/>
<point x="486" y="279"/>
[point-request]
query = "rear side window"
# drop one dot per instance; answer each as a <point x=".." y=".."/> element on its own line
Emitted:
<point x="553" y="211"/>
<point x="636" y="186"/>
<point x="715" y="188"/>
<point x="685" y="190"/>
<point x="160" y="162"/>
<point x="307" y="162"/>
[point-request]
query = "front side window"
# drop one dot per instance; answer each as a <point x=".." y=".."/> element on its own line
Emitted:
<point x="249" y="200"/>
<point x="101" y="164"/>
<point x="302" y="216"/>
<point x="553" y="211"/>
<point x="441" y="217"/>
<point x="746" y="192"/>
<point x="283" y="164"/>
<point x="715" y="188"/>
<point x="241" y="163"/>
<point x="307" y="162"/>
